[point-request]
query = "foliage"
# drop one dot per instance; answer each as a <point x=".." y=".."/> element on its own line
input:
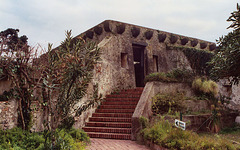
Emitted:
<point x="202" y="86"/>
<point x="17" y="138"/>
<point x="68" y="72"/>
<point x="6" y="95"/>
<point x="167" y="103"/>
<point x="209" y="89"/>
<point x="163" y="134"/>
<point x="144" y="122"/>
<point x="234" y="129"/>
<point x="67" y="139"/>
<point x="226" y="64"/>
<point x="16" y="65"/>
<point x="176" y="75"/>
<point x="198" y="58"/>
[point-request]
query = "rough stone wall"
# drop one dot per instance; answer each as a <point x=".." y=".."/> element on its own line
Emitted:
<point x="117" y="37"/>
<point x="5" y="85"/>
<point x="232" y="92"/>
<point x="8" y="114"/>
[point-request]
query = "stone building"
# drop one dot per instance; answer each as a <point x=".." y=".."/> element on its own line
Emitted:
<point x="131" y="52"/>
<point x="128" y="54"/>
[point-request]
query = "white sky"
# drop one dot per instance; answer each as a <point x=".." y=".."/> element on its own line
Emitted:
<point x="45" y="21"/>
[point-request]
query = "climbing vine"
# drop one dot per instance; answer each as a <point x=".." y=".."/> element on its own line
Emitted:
<point x="198" y="59"/>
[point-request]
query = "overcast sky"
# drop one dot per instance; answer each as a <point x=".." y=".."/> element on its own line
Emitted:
<point x="45" y="21"/>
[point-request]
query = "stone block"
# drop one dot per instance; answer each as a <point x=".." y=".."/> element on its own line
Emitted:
<point x="237" y="120"/>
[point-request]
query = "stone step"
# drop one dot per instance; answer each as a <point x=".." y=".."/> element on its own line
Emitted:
<point x="120" y="103"/>
<point x="114" y="111"/>
<point x="107" y="130"/>
<point x="117" y="106"/>
<point x="122" y="115"/>
<point x="123" y="96"/>
<point x="134" y="90"/>
<point x="132" y="99"/>
<point x="108" y="119"/>
<point x="109" y="135"/>
<point x="113" y="117"/>
<point x="130" y="92"/>
<point x="109" y="124"/>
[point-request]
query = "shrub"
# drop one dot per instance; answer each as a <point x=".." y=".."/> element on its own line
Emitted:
<point x="176" y="75"/>
<point x="19" y="139"/>
<point x="159" y="76"/>
<point x="144" y="122"/>
<point x="162" y="133"/>
<point x="204" y="86"/>
<point x="167" y="103"/>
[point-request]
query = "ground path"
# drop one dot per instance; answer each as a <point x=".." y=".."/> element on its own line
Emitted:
<point x="111" y="144"/>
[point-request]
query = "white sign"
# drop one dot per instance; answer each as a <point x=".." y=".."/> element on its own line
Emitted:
<point x="180" y="124"/>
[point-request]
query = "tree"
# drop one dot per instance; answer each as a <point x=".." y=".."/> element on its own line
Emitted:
<point x="16" y="65"/>
<point x="226" y="62"/>
<point x="68" y="72"/>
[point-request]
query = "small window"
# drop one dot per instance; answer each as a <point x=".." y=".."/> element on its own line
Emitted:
<point x="124" y="60"/>
<point x="155" y="63"/>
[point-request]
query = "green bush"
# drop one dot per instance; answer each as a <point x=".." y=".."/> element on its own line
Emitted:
<point x="202" y="86"/>
<point x="19" y="139"/>
<point x="176" y="75"/>
<point x="162" y="133"/>
<point x="167" y="103"/>
<point x="144" y="122"/>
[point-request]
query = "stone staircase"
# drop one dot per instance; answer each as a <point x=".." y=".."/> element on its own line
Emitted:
<point x="112" y="120"/>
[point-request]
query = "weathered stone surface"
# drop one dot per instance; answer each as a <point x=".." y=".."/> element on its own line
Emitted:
<point x="173" y="39"/>
<point x="135" y="31"/>
<point x="89" y="34"/>
<point x="162" y="37"/>
<point x="237" y="120"/>
<point x="196" y="105"/>
<point x="194" y="43"/>
<point x="148" y="35"/>
<point x="120" y="28"/>
<point x="203" y="45"/>
<point x="5" y="85"/>
<point x="184" y="41"/>
<point x="8" y="114"/>
<point x="107" y="26"/>
<point x="232" y="92"/>
<point x="98" y="30"/>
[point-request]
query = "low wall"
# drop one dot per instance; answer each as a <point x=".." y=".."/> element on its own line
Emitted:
<point x="143" y="107"/>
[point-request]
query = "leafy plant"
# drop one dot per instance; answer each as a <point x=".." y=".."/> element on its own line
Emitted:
<point x="144" y="122"/>
<point x="68" y="72"/>
<point x="164" y="134"/>
<point x="225" y="63"/>
<point x="176" y="75"/>
<point x="17" y="138"/>
<point x="167" y="103"/>
<point x="202" y="86"/>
